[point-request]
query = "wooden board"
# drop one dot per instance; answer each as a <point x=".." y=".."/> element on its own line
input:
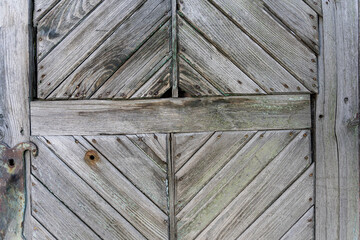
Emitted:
<point x="166" y="115"/>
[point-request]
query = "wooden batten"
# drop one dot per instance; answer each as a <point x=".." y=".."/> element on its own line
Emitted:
<point x="170" y="115"/>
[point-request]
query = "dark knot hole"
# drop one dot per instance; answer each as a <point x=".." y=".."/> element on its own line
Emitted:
<point x="11" y="163"/>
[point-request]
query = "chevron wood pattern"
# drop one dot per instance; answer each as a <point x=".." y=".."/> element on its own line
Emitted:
<point x="222" y="193"/>
<point x="224" y="48"/>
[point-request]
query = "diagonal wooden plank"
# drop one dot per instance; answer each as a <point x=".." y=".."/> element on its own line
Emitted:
<point x="206" y="162"/>
<point x="41" y="7"/>
<point x="267" y="186"/>
<point x="250" y="16"/>
<point x="114" y="52"/>
<point x="193" y="83"/>
<point x="239" y="47"/>
<point x="303" y="229"/>
<point x="157" y="85"/>
<point x="57" y="218"/>
<point x="107" y="181"/>
<point x="285" y="211"/>
<point x="202" y="114"/>
<point x="79" y="44"/>
<point x="138" y="69"/>
<point x="135" y="165"/>
<point x="61" y="19"/>
<point x="316" y="5"/>
<point x="300" y="18"/>
<point x="212" y="64"/>
<point x="80" y="197"/>
<point x="140" y="143"/>
<point x="186" y="144"/>
<point x="39" y="232"/>
<point x="233" y="178"/>
<point x="156" y="142"/>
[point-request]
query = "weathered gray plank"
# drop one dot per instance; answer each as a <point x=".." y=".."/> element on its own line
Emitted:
<point x="155" y="153"/>
<point x="139" y="68"/>
<point x="301" y="19"/>
<point x="206" y="59"/>
<point x="74" y="192"/>
<point x="157" y="85"/>
<point x="186" y="145"/>
<point x="59" y="21"/>
<point x="303" y="229"/>
<point x="174" y="57"/>
<point x="107" y="181"/>
<point x="316" y="5"/>
<point x="206" y="162"/>
<point x="250" y="16"/>
<point x="55" y="216"/>
<point x="39" y="232"/>
<point x="14" y="90"/>
<point x="285" y="211"/>
<point x="337" y="141"/>
<point x="193" y="83"/>
<point x="236" y="175"/>
<point x="41" y="7"/>
<point x="135" y="165"/>
<point x="264" y="189"/>
<point x="79" y="44"/>
<point x="114" y="52"/>
<point x="239" y="47"/>
<point x="138" y="116"/>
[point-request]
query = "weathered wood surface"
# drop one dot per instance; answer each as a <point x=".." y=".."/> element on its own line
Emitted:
<point x="303" y="229"/>
<point x="255" y="42"/>
<point x="56" y="217"/>
<point x="138" y="116"/>
<point x="79" y="44"/>
<point x="213" y="65"/>
<point x="59" y="21"/>
<point x="14" y="88"/>
<point x="71" y="190"/>
<point x="245" y="186"/>
<point x="285" y="211"/>
<point x="41" y="7"/>
<point x="300" y="18"/>
<point x="316" y="5"/>
<point x="337" y="149"/>
<point x="113" y="183"/>
<point x="39" y="232"/>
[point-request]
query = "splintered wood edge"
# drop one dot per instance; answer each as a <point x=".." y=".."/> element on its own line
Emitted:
<point x="99" y="117"/>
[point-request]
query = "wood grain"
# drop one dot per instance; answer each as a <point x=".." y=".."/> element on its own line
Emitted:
<point x="193" y="83"/>
<point x="57" y="218"/>
<point x="112" y="185"/>
<point x="316" y="5"/>
<point x="213" y="65"/>
<point x="135" y="165"/>
<point x="79" y="44"/>
<point x="138" y="69"/>
<point x="59" y="21"/>
<point x="41" y="7"/>
<point x="337" y="141"/>
<point x="239" y="47"/>
<point x="266" y="31"/>
<point x="114" y="52"/>
<point x="39" y="232"/>
<point x="284" y="166"/>
<point x="73" y="192"/>
<point x="14" y="90"/>
<point x="137" y="116"/>
<point x="300" y="18"/>
<point x="303" y="229"/>
<point x="285" y="211"/>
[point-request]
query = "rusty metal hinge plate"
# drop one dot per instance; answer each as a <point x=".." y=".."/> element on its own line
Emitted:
<point x="12" y="188"/>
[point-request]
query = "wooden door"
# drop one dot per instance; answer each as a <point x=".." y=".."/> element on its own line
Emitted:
<point x="164" y="119"/>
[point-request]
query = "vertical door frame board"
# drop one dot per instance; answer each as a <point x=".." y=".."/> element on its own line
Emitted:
<point x="14" y="81"/>
<point x="337" y="148"/>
